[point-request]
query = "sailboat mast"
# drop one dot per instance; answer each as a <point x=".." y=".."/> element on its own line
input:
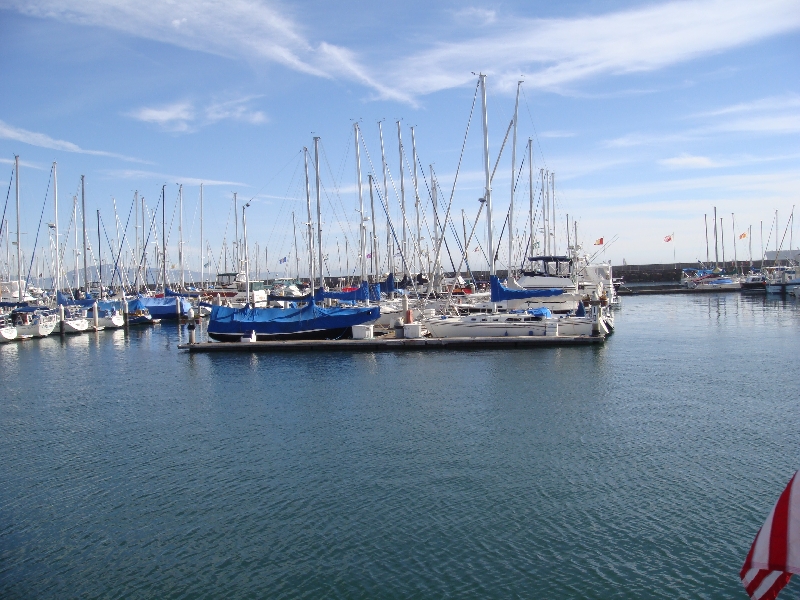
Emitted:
<point x="553" y="214"/>
<point x="57" y="282"/>
<point x="202" y="245"/>
<point x="362" y="230"/>
<point x="404" y="241"/>
<point x="513" y="180"/>
<point x="435" y="201"/>
<point x="310" y="225"/>
<point x="488" y="191"/>
<point x="705" y="218"/>
<point x="19" y="252"/>
<point x="83" y="216"/>
<point x="164" y="238"/>
<point x="716" y="246"/>
<point x="374" y="244"/>
<point x="296" y="256"/>
<point x="735" y="257"/>
<point x="76" y="282"/>
<point x="237" y="264"/>
<point x="545" y="202"/>
<point x="180" y="235"/>
<point x="530" y="194"/>
<point x="389" y="257"/>
<point x="319" y="215"/>
<point x="136" y="239"/>
<point x="416" y="192"/>
<point x="99" y="256"/>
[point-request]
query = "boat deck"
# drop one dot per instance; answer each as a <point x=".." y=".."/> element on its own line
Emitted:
<point x="393" y="343"/>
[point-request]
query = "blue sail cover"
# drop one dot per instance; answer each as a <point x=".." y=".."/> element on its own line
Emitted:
<point x="164" y="308"/>
<point x="387" y="287"/>
<point x="501" y="293"/>
<point x="278" y="321"/>
<point x="361" y="294"/>
<point x="67" y="301"/>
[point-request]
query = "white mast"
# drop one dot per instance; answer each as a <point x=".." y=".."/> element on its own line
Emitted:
<point x="530" y="186"/>
<point x="362" y="231"/>
<point x="246" y="255"/>
<point x="296" y="256"/>
<point x="236" y="261"/>
<point x="404" y="251"/>
<point x="19" y="258"/>
<point x="545" y="203"/>
<point x="180" y="234"/>
<point x="57" y="282"/>
<point x="310" y="225"/>
<point x="202" y="245"/>
<point x="513" y="180"/>
<point x="374" y="244"/>
<point x="553" y="214"/>
<point x="416" y="190"/>
<point x="488" y="191"/>
<point x="83" y="215"/>
<point x="164" y="238"/>
<point x="435" y="200"/>
<point x="136" y="239"/>
<point x="319" y="215"/>
<point x="76" y="277"/>
<point x="389" y="257"/>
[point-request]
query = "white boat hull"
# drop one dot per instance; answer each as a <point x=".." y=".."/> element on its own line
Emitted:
<point x="42" y="329"/>
<point x="8" y="334"/>
<point x="75" y="325"/>
<point x="111" y="322"/>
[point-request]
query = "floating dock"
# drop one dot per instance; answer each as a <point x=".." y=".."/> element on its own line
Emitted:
<point x="393" y="343"/>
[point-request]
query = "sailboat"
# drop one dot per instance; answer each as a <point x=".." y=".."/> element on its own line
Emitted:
<point x="310" y="321"/>
<point x="7" y="330"/>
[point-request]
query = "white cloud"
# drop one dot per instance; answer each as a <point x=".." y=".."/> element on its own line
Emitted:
<point x="475" y="16"/>
<point x="554" y="53"/>
<point x="8" y="161"/>
<point x="557" y="52"/>
<point x="43" y="140"/>
<point x="772" y="103"/>
<point x="183" y="117"/>
<point x="134" y="174"/>
<point x="173" y="117"/>
<point x="687" y="161"/>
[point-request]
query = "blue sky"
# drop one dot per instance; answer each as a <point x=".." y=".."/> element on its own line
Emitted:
<point x="649" y="113"/>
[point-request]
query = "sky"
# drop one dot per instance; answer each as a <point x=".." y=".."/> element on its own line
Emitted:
<point x="649" y="115"/>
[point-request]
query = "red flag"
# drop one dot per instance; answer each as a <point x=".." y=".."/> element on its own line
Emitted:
<point x="598" y="242"/>
<point x="668" y="238"/>
<point x="775" y="553"/>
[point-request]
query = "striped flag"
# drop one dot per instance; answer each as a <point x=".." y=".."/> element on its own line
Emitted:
<point x="775" y="553"/>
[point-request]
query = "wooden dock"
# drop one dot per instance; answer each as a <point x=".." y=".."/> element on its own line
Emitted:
<point x="386" y="343"/>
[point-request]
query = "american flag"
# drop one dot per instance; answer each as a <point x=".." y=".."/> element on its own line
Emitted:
<point x="775" y="553"/>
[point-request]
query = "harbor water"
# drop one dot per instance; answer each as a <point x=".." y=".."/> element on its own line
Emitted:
<point x="641" y="468"/>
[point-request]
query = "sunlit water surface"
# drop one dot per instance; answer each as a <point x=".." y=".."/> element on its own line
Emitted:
<point x="641" y="469"/>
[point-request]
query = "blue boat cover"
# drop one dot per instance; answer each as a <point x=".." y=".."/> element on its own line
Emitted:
<point x="501" y="292"/>
<point x="164" y="308"/>
<point x="387" y="287"/>
<point x="271" y="321"/>
<point x="361" y="294"/>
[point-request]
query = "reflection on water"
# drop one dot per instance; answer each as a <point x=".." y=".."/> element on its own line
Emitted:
<point x="639" y="469"/>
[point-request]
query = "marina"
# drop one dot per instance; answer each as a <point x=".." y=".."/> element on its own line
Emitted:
<point x="384" y="474"/>
<point x="399" y="300"/>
